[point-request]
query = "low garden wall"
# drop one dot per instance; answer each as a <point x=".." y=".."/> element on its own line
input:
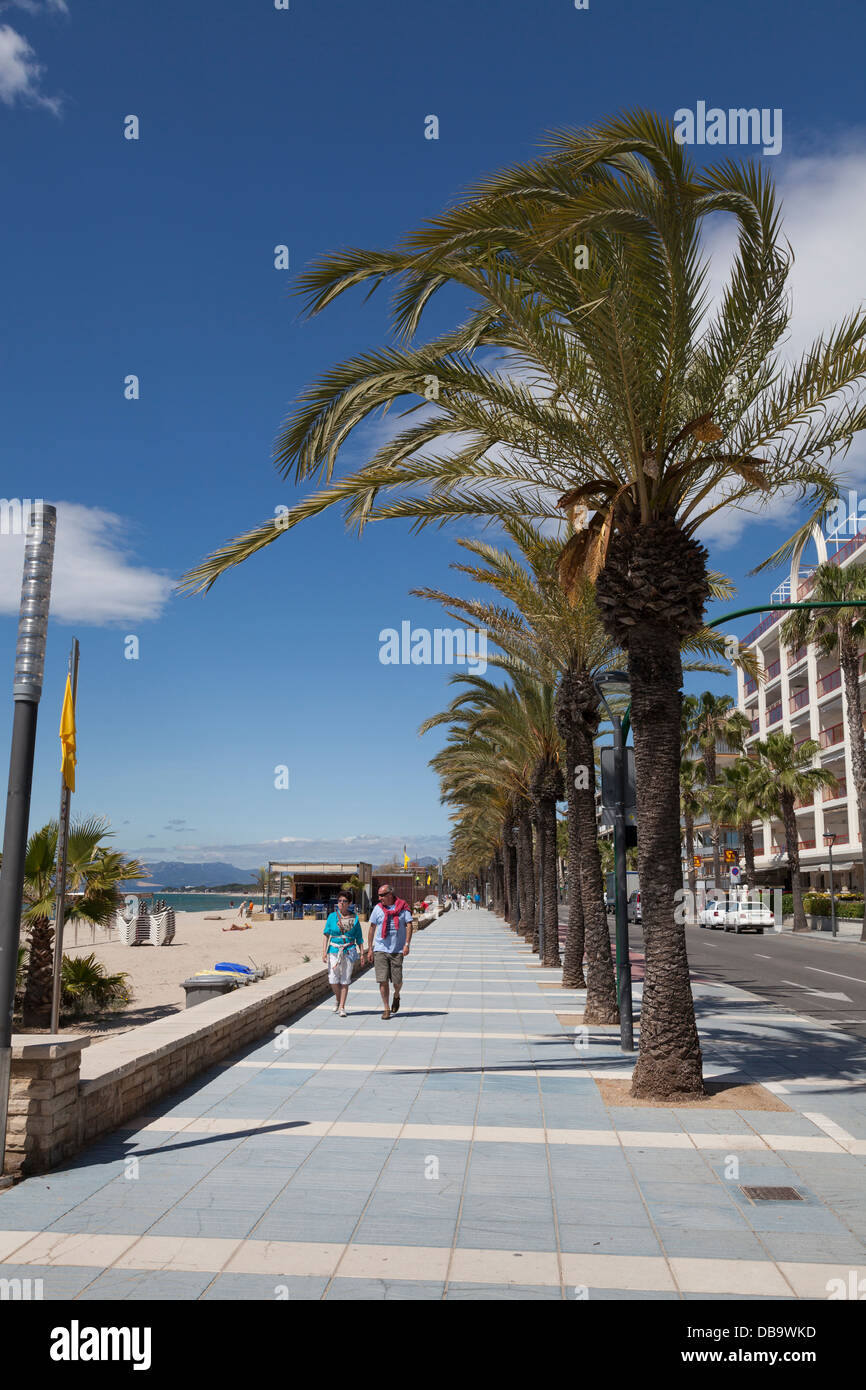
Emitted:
<point x="64" y="1093"/>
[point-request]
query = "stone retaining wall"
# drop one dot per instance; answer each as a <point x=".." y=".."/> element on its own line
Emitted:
<point x="64" y="1093"/>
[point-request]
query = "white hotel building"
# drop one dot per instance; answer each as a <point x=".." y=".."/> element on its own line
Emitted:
<point x="802" y="694"/>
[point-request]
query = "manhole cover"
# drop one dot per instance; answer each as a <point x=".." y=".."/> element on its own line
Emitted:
<point x="772" y="1194"/>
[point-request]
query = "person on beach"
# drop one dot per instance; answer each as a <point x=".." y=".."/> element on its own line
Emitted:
<point x="390" y="931"/>
<point x="342" y="943"/>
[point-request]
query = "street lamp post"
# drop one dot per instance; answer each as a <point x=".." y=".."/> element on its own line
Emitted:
<point x="26" y="690"/>
<point x="832" y="840"/>
<point x="620" y="680"/>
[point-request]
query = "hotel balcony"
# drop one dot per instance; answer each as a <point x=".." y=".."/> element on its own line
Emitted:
<point x="829" y="682"/>
<point x="837" y="793"/>
<point x="799" y="701"/>
<point x="803" y="844"/>
<point x="832" y="736"/>
<point x="763" y="626"/>
<point x="773" y="673"/>
<point x="794" y="658"/>
<point x="774" y="714"/>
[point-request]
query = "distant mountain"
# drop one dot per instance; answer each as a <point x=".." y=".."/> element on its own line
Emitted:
<point x="177" y="874"/>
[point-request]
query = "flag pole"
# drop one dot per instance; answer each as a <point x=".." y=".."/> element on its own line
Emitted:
<point x="62" y="852"/>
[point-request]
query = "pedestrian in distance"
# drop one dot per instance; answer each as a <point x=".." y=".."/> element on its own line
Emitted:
<point x="389" y="934"/>
<point x="477" y="900"/>
<point x="342" y="943"/>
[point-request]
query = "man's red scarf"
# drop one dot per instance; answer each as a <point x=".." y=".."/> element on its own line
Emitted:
<point x="385" y="924"/>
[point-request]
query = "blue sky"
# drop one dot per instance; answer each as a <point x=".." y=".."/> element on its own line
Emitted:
<point x="155" y="257"/>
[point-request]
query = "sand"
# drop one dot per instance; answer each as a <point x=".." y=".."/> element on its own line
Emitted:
<point x="156" y="972"/>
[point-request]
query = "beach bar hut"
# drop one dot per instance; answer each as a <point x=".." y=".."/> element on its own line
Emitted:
<point x="315" y="886"/>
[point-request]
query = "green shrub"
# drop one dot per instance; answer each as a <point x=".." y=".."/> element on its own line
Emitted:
<point x="816" y="902"/>
<point x="818" y="905"/>
<point x="787" y="904"/>
<point x="87" y="987"/>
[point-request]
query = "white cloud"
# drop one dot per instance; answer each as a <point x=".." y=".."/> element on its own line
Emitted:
<point x="96" y="578"/>
<point x="823" y="204"/>
<point x="823" y="211"/>
<point x="37" y="6"/>
<point x="20" y="73"/>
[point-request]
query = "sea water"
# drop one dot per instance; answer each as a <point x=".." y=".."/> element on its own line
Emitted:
<point x="204" y="902"/>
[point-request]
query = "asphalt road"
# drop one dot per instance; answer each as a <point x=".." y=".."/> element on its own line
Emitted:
<point x="811" y="975"/>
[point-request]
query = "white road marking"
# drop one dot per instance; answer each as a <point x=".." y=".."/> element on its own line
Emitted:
<point x="818" y="993"/>
<point x="856" y="978"/>
<point x="758" y="956"/>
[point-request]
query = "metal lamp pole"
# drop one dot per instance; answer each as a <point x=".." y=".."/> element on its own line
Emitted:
<point x="26" y="689"/>
<point x="623" y="962"/>
<point x="832" y="840"/>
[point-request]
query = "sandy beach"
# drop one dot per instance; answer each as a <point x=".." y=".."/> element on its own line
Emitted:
<point x="156" y="972"/>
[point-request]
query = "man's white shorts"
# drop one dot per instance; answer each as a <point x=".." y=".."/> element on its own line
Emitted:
<point x="340" y="969"/>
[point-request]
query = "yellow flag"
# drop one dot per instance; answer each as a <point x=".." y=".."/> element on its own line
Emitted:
<point x="405" y="858"/>
<point x="67" y="738"/>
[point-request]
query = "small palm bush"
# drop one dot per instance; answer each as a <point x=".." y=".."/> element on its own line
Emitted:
<point x="87" y="987"/>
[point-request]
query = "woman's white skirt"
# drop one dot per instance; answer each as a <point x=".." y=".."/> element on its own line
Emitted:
<point x="340" y="968"/>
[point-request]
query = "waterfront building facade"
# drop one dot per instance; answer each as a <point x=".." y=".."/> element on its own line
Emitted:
<point x="802" y="694"/>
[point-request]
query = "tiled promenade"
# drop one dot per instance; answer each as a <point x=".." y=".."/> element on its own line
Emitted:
<point x="462" y="1150"/>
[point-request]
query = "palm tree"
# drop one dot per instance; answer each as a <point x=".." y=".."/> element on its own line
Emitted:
<point x="94" y="871"/>
<point x="554" y="632"/>
<point x="473" y="776"/>
<point x="737" y="799"/>
<point x="782" y="775"/>
<point x="602" y="381"/>
<point x="691" y="805"/>
<point x="842" y="630"/>
<point x="263" y="883"/>
<point x="709" y="719"/>
<point x="518" y="721"/>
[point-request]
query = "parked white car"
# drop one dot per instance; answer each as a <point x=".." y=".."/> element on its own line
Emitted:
<point x="634" y="913"/>
<point x="749" y="914"/>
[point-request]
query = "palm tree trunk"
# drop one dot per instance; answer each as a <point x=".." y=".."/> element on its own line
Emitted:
<point x="748" y="835"/>
<point x="709" y="761"/>
<point x="537" y="875"/>
<point x="572" y="956"/>
<point x="601" y="998"/>
<point x="525" y="872"/>
<point x="849" y="660"/>
<point x="690" y="857"/>
<point x="572" y="969"/>
<point x="669" y="1062"/>
<point x="498" y="885"/>
<point x="715" y="836"/>
<point x="510" y="855"/>
<point x="36" y="1005"/>
<point x="789" y="820"/>
<point x="547" y="818"/>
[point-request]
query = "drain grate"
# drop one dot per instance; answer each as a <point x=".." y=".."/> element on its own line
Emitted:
<point x="772" y="1194"/>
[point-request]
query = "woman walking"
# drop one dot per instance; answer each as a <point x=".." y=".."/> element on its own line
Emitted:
<point x="341" y="943"/>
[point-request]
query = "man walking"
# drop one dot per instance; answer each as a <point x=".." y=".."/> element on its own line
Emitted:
<point x="390" y="931"/>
